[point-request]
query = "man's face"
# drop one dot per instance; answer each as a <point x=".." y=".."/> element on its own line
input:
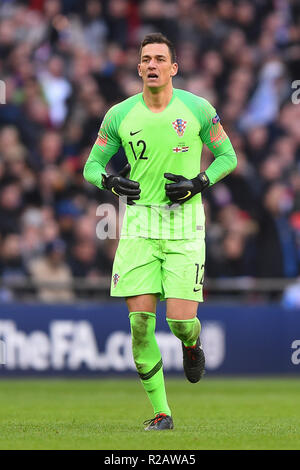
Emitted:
<point x="156" y="68"/>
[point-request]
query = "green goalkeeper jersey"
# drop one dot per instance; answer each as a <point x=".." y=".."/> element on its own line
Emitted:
<point x="156" y="143"/>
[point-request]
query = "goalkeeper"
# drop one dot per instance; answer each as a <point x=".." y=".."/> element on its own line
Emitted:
<point x="161" y="252"/>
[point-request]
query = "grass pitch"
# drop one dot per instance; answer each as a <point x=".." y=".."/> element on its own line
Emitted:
<point x="108" y="414"/>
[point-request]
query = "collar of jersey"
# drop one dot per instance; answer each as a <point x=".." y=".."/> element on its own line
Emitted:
<point x="171" y="101"/>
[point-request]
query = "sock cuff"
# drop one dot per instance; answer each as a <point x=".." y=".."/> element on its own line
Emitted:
<point x="185" y="330"/>
<point x="150" y="314"/>
<point x="189" y="320"/>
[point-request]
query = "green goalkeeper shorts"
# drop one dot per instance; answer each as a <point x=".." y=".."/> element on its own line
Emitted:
<point x="168" y="268"/>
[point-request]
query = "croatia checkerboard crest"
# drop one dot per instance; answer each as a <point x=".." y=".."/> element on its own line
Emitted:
<point x="116" y="277"/>
<point x="179" y="126"/>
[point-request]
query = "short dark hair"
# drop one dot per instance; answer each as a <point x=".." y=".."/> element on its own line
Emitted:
<point x="159" y="38"/>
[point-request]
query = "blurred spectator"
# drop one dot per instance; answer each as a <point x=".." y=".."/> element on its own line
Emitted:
<point x="118" y="22"/>
<point x="94" y="27"/>
<point x="257" y="142"/>
<point x="12" y="266"/>
<point x="57" y="89"/>
<point x="52" y="268"/>
<point x="234" y="260"/>
<point x="67" y="213"/>
<point x="32" y="242"/>
<point x="231" y="243"/>
<point x="271" y="91"/>
<point x="10" y="206"/>
<point x="84" y="262"/>
<point x="277" y="249"/>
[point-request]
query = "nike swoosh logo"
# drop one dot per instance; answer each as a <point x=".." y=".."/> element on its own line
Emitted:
<point x="133" y="133"/>
<point x="197" y="290"/>
<point x="187" y="195"/>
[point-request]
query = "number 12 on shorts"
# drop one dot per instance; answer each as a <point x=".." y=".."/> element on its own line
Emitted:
<point x="199" y="277"/>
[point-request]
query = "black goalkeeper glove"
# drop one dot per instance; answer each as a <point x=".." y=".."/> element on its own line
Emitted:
<point x="184" y="189"/>
<point x="122" y="186"/>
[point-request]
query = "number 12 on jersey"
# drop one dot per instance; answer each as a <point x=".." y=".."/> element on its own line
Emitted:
<point x="142" y="144"/>
<point x="199" y="276"/>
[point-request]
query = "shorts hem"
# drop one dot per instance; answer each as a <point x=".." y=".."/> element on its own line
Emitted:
<point x="161" y="296"/>
<point x="182" y="297"/>
<point x="157" y="293"/>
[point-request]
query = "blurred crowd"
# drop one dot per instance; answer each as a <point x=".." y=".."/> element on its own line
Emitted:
<point x="66" y="62"/>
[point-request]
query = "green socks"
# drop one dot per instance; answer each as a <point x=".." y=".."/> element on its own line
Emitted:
<point x="147" y="358"/>
<point x="186" y="330"/>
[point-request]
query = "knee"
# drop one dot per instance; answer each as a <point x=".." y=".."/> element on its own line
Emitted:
<point x="142" y="324"/>
<point x="179" y="330"/>
<point x="142" y="303"/>
<point x="185" y="329"/>
<point x="142" y="331"/>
